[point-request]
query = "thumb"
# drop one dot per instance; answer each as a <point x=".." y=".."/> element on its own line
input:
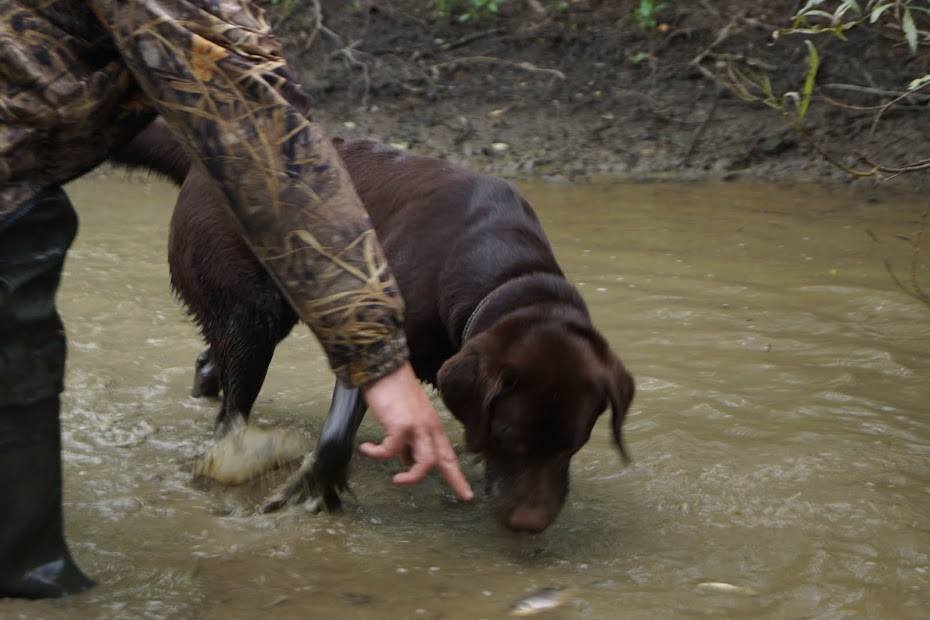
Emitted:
<point x="387" y="449"/>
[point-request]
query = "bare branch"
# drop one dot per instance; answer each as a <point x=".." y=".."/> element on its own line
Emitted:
<point x="885" y="107"/>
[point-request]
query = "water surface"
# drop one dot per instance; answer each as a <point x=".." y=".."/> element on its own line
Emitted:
<point x="780" y="432"/>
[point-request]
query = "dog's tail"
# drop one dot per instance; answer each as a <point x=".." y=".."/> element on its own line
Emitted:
<point x="156" y="150"/>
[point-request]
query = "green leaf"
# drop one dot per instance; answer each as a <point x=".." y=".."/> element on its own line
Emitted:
<point x="766" y="85"/>
<point x="823" y="14"/>
<point x="847" y="5"/>
<point x="910" y="30"/>
<point x="810" y="5"/>
<point x="919" y="82"/>
<point x="877" y="11"/>
<point x="813" y="63"/>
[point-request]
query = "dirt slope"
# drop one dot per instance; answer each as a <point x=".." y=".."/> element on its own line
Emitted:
<point x="491" y="92"/>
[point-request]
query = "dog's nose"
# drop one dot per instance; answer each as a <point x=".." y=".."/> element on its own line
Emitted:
<point x="526" y="518"/>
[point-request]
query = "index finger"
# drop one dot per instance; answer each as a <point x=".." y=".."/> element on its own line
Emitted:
<point x="448" y="465"/>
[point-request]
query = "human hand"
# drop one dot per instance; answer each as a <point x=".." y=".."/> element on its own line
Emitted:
<point x="413" y="432"/>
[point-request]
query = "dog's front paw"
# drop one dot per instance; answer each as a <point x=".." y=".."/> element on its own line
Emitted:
<point x="309" y="486"/>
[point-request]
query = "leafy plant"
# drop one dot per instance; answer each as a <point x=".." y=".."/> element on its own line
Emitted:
<point x="755" y="87"/>
<point x="645" y="14"/>
<point x="637" y="58"/>
<point x="467" y="9"/>
<point x="815" y="17"/>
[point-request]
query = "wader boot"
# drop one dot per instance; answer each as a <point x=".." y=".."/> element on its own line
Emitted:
<point x="34" y="558"/>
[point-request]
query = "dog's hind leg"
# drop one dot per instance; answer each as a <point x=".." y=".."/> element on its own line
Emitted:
<point x="243" y="354"/>
<point x="206" y="376"/>
<point x="325" y="474"/>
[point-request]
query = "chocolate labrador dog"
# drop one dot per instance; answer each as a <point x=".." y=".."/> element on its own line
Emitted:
<point x="490" y="320"/>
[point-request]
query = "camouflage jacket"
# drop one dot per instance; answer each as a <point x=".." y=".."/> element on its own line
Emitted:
<point x="81" y="77"/>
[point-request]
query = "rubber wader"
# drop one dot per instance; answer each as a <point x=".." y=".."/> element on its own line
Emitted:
<point x="34" y="558"/>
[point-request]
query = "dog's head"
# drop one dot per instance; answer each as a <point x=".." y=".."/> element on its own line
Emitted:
<point x="528" y="391"/>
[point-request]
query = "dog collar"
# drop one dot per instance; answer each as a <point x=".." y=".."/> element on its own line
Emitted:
<point x="470" y="323"/>
<point x="541" y="288"/>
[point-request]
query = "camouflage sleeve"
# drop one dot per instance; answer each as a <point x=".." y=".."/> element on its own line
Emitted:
<point x="218" y="77"/>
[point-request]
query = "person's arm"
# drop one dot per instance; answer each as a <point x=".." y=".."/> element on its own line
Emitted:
<point x="219" y="79"/>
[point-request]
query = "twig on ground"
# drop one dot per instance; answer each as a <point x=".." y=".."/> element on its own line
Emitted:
<point x="471" y="60"/>
<point x="419" y="54"/>
<point x="746" y="60"/>
<point x="470" y="38"/>
<point x="385" y="7"/>
<point x="873" y="169"/>
<point x="885" y="107"/>
<point x="347" y="53"/>
<point x="657" y="109"/>
<point x="317" y="13"/>
<point x="923" y="164"/>
<point x="753" y="88"/>
<point x="722" y="35"/>
<point x="700" y="131"/>
<point x="879" y="91"/>
<point x="866" y="108"/>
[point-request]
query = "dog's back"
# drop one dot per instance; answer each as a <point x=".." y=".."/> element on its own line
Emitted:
<point x="448" y="233"/>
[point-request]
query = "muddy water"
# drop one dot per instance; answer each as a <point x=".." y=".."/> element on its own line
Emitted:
<point x="781" y="432"/>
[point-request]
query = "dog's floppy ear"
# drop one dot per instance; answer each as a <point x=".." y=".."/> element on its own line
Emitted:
<point x="620" y="391"/>
<point x="620" y="385"/>
<point x="467" y="389"/>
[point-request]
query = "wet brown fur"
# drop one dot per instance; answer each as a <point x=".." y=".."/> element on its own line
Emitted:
<point x="527" y="385"/>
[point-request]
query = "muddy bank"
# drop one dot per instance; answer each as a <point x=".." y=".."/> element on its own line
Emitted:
<point x="584" y="91"/>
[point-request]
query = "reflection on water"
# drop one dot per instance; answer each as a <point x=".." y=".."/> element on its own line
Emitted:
<point x="780" y="431"/>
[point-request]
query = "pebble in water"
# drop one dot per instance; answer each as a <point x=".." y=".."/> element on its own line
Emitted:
<point x="726" y="588"/>
<point x="541" y="600"/>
